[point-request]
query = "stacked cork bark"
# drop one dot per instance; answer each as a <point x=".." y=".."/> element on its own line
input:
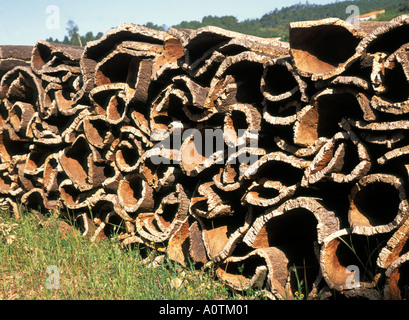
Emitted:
<point x="107" y="135"/>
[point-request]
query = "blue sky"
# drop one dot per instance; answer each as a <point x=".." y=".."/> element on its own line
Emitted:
<point x="26" y="21"/>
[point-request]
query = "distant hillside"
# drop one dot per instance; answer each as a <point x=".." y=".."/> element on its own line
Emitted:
<point x="277" y="22"/>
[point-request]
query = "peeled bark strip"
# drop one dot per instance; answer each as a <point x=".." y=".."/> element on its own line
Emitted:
<point x="194" y="156"/>
<point x="110" y="100"/>
<point x="13" y="56"/>
<point x="38" y="200"/>
<point x="52" y="171"/>
<point x="378" y="203"/>
<point x="54" y="60"/>
<point x="167" y="219"/>
<point x="79" y="163"/>
<point x="397" y="279"/>
<point x="261" y="268"/>
<point x="228" y="178"/>
<point x="395" y="80"/>
<point x="342" y="159"/>
<point x="195" y="109"/>
<point x="209" y="202"/>
<point x="131" y="147"/>
<point x="270" y="186"/>
<point x="135" y="195"/>
<point x="323" y="49"/>
<point x="280" y="81"/>
<point x="395" y="246"/>
<point x="221" y="236"/>
<point x="241" y="124"/>
<point x="346" y="248"/>
<point x="21" y="84"/>
<point x="259" y="235"/>
<point x="155" y="166"/>
<point x="387" y="38"/>
<point x="20" y="115"/>
<point x="200" y="44"/>
<point x="281" y="113"/>
<point x="327" y="108"/>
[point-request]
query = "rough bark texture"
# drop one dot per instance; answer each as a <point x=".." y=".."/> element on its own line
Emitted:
<point x="283" y="164"/>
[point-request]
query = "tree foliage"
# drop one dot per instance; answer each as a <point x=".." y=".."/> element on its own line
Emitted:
<point x="74" y="38"/>
<point x="272" y="24"/>
<point x="276" y="22"/>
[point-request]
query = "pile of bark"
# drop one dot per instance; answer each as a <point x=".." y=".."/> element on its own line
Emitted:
<point x="304" y="189"/>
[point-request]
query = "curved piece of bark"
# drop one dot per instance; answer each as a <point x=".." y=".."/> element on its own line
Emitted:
<point x="9" y="183"/>
<point x="397" y="279"/>
<point x="265" y="268"/>
<point x="178" y="244"/>
<point x="135" y="194"/>
<point x="280" y="81"/>
<point x="131" y="147"/>
<point x="110" y="100"/>
<point x="97" y="131"/>
<point x="73" y="198"/>
<point x="156" y="168"/>
<point x="346" y="248"/>
<point x="166" y="109"/>
<point x="228" y="178"/>
<point x="195" y="109"/>
<point x="210" y="202"/>
<point x="241" y="125"/>
<point x="167" y="219"/>
<point x="297" y="228"/>
<point x="108" y="216"/>
<point x="394" y="99"/>
<point x="200" y="44"/>
<point x="36" y="159"/>
<point x="79" y="163"/>
<point x="386" y="38"/>
<point x="55" y="59"/>
<point x="378" y="203"/>
<point x="281" y="113"/>
<point x="324" y="48"/>
<point x="20" y="115"/>
<point x="195" y="158"/>
<point x="38" y="200"/>
<point x="327" y="108"/>
<point x="275" y="177"/>
<point x="12" y="56"/>
<point x="342" y="159"/>
<point x="21" y="84"/>
<point x="260" y="235"/>
<point x="11" y="206"/>
<point x="237" y="80"/>
<point x="130" y="37"/>
<point x="60" y="101"/>
<point x="221" y="236"/>
<point x="309" y="151"/>
<point x="395" y="246"/>
<point x="11" y="145"/>
<point x="52" y="172"/>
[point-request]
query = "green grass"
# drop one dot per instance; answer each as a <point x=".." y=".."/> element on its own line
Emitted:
<point x="87" y="270"/>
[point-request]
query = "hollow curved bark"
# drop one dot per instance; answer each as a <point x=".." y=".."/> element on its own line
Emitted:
<point x="135" y="195"/>
<point x="167" y="219"/>
<point x="347" y="251"/>
<point x="342" y="159"/>
<point x="368" y="212"/>
<point x="397" y="279"/>
<point x="265" y="268"/>
<point x="324" y="48"/>
<point x="280" y="81"/>
<point x="269" y="183"/>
